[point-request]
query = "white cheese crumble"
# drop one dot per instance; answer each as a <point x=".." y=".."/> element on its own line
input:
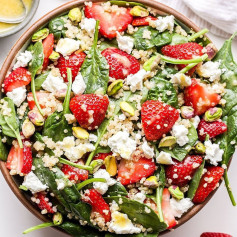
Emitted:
<point x="122" y="144"/>
<point x="164" y="158"/>
<point x="78" y="86"/>
<point x="179" y="207"/>
<point x="195" y="121"/>
<point x="23" y="59"/>
<point x="60" y="184"/>
<point x="93" y="138"/>
<point x="67" y="46"/>
<point x="164" y="23"/>
<point x="147" y="150"/>
<point x="181" y="79"/>
<point x="17" y="95"/>
<point x="139" y="197"/>
<point x="180" y="132"/>
<point x="125" y="43"/>
<point x="88" y="24"/>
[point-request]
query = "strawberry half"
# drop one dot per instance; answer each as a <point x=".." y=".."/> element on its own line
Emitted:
<point x="212" y="129"/>
<point x="208" y="183"/>
<point x="212" y="234"/>
<point x="180" y="173"/>
<point x="130" y="172"/>
<point x="89" y="109"/>
<point x="157" y="119"/>
<point x="120" y="63"/>
<point x="143" y="21"/>
<point x="41" y="96"/>
<point x="48" y="44"/>
<point x="73" y="61"/>
<point x="110" y="21"/>
<point x="98" y="204"/>
<point x="17" y="78"/>
<point x="200" y="97"/>
<point x="44" y="202"/>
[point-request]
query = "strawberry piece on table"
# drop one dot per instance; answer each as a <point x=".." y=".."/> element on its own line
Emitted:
<point x="89" y="109"/>
<point x="157" y="119"/>
<point x="167" y="210"/>
<point x="212" y="234"/>
<point x="212" y="129"/>
<point x="183" y="51"/>
<point x="130" y="172"/>
<point x="17" y="78"/>
<point x="19" y="160"/>
<point x="200" y="97"/>
<point x="98" y="204"/>
<point x="208" y="183"/>
<point x="110" y="22"/>
<point x="180" y="173"/>
<point x="142" y="21"/>
<point x="41" y="96"/>
<point x="120" y="63"/>
<point x="44" y="202"/>
<point x="73" y="61"/>
<point x="48" y="44"/>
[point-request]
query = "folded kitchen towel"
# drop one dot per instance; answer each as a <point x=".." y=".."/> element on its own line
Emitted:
<point x="219" y="16"/>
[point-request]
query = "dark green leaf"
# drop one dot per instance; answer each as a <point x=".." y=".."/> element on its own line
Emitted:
<point x="117" y="189"/>
<point x="56" y="26"/>
<point x="39" y="80"/>
<point x="107" y="44"/>
<point x="127" y="4"/>
<point x="3" y="150"/>
<point x="178" y="39"/>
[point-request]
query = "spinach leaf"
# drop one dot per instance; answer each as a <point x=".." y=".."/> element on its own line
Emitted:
<point x="9" y="123"/>
<point x="56" y="26"/>
<point x="95" y="70"/>
<point x="40" y="80"/>
<point x="25" y="116"/>
<point x="178" y="39"/>
<point x="3" y="150"/>
<point x="166" y="73"/>
<point x="117" y="189"/>
<point x="178" y="152"/>
<point x="157" y="39"/>
<point x="195" y="181"/>
<point x="107" y="44"/>
<point x="127" y="4"/>
<point x="134" y="209"/>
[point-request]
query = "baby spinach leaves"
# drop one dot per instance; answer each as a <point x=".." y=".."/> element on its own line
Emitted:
<point x="40" y="80"/>
<point x="3" y="150"/>
<point x="56" y="26"/>
<point x="117" y="189"/>
<point x="95" y="70"/>
<point x="9" y="123"/>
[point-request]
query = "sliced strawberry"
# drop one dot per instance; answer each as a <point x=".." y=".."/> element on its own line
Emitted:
<point x="73" y="61"/>
<point x="151" y="204"/>
<point x="17" y="78"/>
<point x="180" y="173"/>
<point x="110" y="22"/>
<point x="200" y="97"/>
<point x="48" y="44"/>
<point x="208" y="183"/>
<point x="212" y="129"/>
<point x="41" y="96"/>
<point x="98" y="204"/>
<point x="157" y="119"/>
<point x="120" y="63"/>
<point x="130" y="172"/>
<point x="143" y="21"/>
<point x="212" y="234"/>
<point x="44" y="203"/>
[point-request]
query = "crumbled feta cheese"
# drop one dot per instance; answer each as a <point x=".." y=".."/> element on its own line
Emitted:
<point x="121" y="117"/>
<point x="121" y="224"/>
<point x="60" y="184"/>
<point x="17" y="95"/>
<point x="195" y="121"/>
<point x="78" y="86"/>
<point x="181" y="79"/>
<point x="136" y="80"/>
<point x="213" y="153"/>
<point x="180" y="132"/>
<point x="67" y="46"/>
<point x="125" y="43"/>
<point x="147" y="150"/>
<point x="100" y="186"/>
<point x="164" y="158"/>
<point x="88" y="24"/>
<point x="93" y="138"/>
<point x="122" y="144"/>
<point x="23" y="59"/>
<point x="164" y="23"/>
<point x="32" y="182"/>
<point x="180" y="206"/>
<point x="139" y="197"/>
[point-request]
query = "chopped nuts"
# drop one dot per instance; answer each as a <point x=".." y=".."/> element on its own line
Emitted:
<point x="139" y="11"/>
<point x="114" y="87"/>
<point x="200" y="148"/>
<point x="28" y="128"/>
<point x="40" y="35"/>
<point x="127" y="108"/>
<point x="36" y="118"/>
<point x="175" y="192"/>
<point x="80" y="133"/>
<point x="75" y="15"/>
<point x="57" y="218"/>
<point x="187" y="112"/>
<point x="151" y="182"/>
<point x="168" y="141"/>
<point x="213" y="114"/>
<point x="111" y="165"/>
<point x="54" y="56"/>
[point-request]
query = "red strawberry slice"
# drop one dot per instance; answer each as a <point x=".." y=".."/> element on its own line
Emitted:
<point x="73" y="61"/>
<point x="212" y="234"/>
<point x="75" y="174"/>
<point x="212" y="129"/>
<point x="208" y="183"/>
<point x="180" y="173"/>
<point x="157" y="119"/>
<point x="143" y="21"/>
<point x="183" y="51"/>
<point x="48" y="44"/>
<point x="120" y="63"/>
<point x="19" y="160"/>
<point x="200" y="97"/>
<point x="151" y="204"/>
<point x="41" y="96"/>
<point x="130" y="172"/>
<point x="167" y="210"/>
<point x="44" y="203"/>
<point x="89" y="109"/>
<point x="110" y="22"/>
<point x="98" y="204"/>
<point x="17" y="78"/>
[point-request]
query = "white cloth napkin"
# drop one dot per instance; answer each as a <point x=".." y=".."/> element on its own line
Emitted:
<point x="219" y="16"/>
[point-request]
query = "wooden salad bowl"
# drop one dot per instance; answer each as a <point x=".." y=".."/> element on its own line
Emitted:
<point x="22" y="43"/>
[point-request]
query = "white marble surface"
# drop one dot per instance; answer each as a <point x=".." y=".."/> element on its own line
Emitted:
<point x="218" y="215"/>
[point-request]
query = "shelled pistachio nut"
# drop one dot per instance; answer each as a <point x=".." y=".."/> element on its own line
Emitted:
<point x="54" y="56"/>
<point x="152" y="63"/>
<point x="114" y="87"/>
<point x="80" y="133"/>
<point x="200" y="148"/>
<point x="151" y="182"/>
<point x="175" y="192"/>
<point x="187" y="112"/>
<point x="40" y="35"/>
<point x="139" y="11"/>
<point x="213" y="114"/>
<point x="95" y="165"/>
<point x="36" y="118"/>
<point x="111" y="165"/>
<point x="127" y="108"/>
<point x="57" y="218"/>
<point x="28" y="128"/>
<point x="167" y="141"/>
<point x="75" y="15"/>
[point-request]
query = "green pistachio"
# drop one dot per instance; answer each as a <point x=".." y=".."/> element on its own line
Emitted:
<point x="80" y="133"/>
<point x="175" y="192"/>
<point x="114" y="87"/>
<point x="152" y="63"/>
<point x="36" y="118"/>
<point x="167" y="141"/>
<point x="200" y="148"/>
<point x="57" y="218"/>
<point x="151" y="182"/>
<point x="28" y="128"/>
<point x="127" y="108"/>
<point x="40" y="35"/>
<point x="95" y="165"/>
<point x="187" y="112"/>
<point x="139" y="11"/>
<point x="213" y="114"/>
<point x="54" y="56"/>
<point x="75" y="15"/>
<point x="111" y="165"/>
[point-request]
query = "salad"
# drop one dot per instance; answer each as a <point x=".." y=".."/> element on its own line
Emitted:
<point x="119" y="120"/>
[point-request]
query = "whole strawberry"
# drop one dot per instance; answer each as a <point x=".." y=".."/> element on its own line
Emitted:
<point x="48" y="44"/>
<point x="157" y="119"/>
<point x="89" y="110"/>
<point x="43" y="202"/>
<point x="120" y="63"/>
<point x="212" y="234"/>
<point x="180" y="173"/>
<point x="212" y="129"/>
<point x="75" y="174"/>
<point x="208" y="183"/>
